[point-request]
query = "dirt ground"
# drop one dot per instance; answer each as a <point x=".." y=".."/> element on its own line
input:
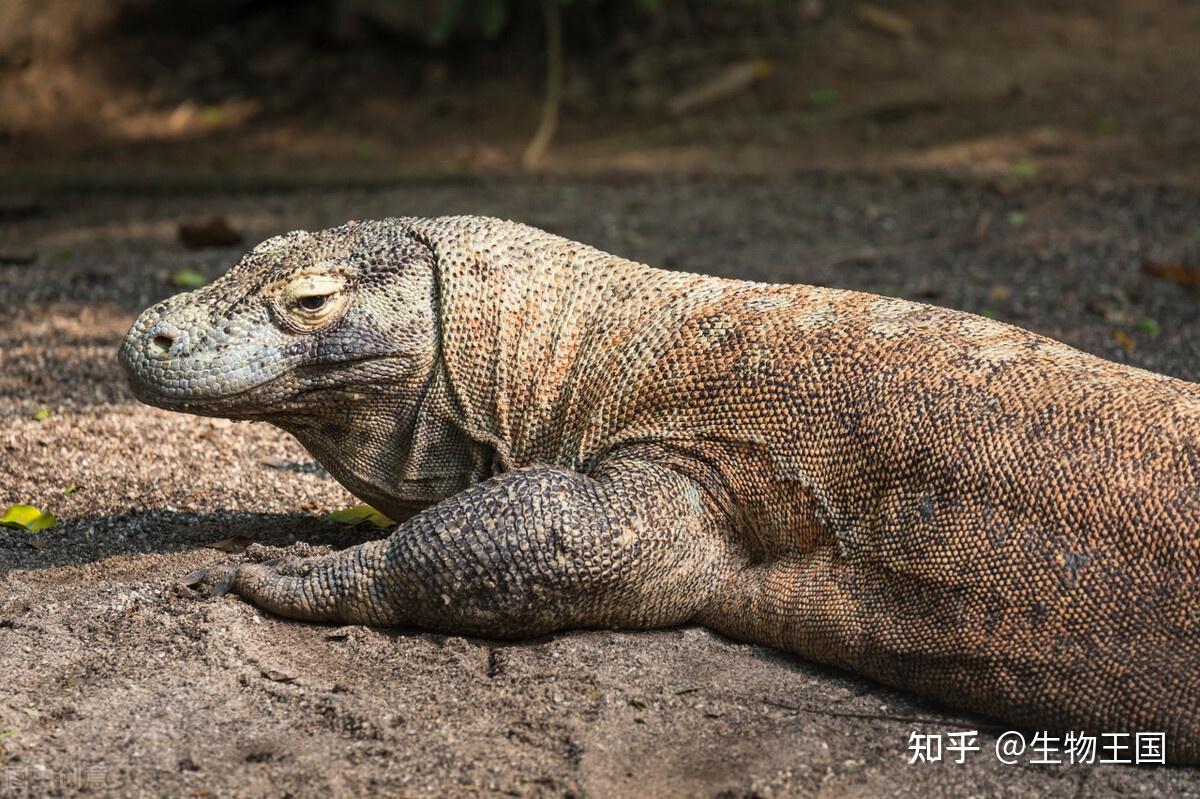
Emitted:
<point x="119" y="681"/>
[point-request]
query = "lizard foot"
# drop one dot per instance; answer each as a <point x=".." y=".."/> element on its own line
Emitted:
<point x="311" y="589"/>
<point x="219" y="580"/>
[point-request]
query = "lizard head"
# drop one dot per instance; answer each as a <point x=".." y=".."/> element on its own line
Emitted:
<point x="303" y="323"/>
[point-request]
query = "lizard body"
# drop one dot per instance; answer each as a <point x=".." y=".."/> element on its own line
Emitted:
<point x="941" y="502"/>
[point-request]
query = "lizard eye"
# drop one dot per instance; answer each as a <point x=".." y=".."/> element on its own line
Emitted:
<point x="313" y="302"/>
<point x="310" y="301"/>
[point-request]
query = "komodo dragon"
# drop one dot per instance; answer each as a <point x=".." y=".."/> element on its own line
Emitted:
<point x="938" y="501"/>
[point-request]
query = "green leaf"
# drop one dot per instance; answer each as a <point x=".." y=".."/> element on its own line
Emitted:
<point x="1106" y="125"/>
<point x="1149" y="327"/>
<point x="188" y="278"/>
<point x="360" y="514"/>
<point x="1016" y="218"/>
<point x="69" y="490"/>
<point x="40" y="414"/>
<point x="1024" y="169"/>
<point x="27" y="517"/>
<point x="446" y="21"/>
<point x="823" y="98"/>
<point x="492" y="15"/>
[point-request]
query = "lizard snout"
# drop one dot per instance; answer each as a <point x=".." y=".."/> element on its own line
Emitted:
<point x="176" y="355"/>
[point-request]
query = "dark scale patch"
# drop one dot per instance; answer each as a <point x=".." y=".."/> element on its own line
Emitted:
<point x="926" y="509"/>
<point x="1073" y="562"/>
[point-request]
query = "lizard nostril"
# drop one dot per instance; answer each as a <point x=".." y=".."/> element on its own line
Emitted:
<point x="165" y="340"/>
<point x="162" y="342"/>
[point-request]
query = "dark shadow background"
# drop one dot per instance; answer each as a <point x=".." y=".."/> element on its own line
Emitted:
<point x="372" y="90"/>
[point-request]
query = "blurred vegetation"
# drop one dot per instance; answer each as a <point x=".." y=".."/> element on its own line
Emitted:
<point x="44" y="28"/>
<point x="623" y="19"/>
<point x="1025" y="90"/>
<point x="211" y="50"/>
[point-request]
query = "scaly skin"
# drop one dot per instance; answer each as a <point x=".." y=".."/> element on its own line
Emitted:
<point x="941" y="502"/>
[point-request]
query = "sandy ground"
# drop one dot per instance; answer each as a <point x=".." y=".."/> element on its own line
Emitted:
<point x="116" y="680"/>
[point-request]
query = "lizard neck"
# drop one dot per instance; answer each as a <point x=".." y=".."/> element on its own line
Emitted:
<point x="396" y="453"/>
<point x="516" y="308"/>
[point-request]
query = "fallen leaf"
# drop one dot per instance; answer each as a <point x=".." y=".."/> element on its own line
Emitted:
<point x="69" y="490"/>
<point x="640" y="704"/>
<point x="27" y="517"/>
<point x="41" y="414"/>
<point x="17" y="258"/>
<point x="216" y="232"/>
<point x="902" y="111"/>
<point x="232" y="546"/>
<point x="823" y="98"/>
<point x="999" y="293"/>
<point x="683" y="691"/>
<point x="1124" y="340"/>
<point x="187" y="278"/>
<point x="360" y="514"/>
<point x="1176" y="273"/>
<point x="881" y="20"/>
<point x="278" y="676"/>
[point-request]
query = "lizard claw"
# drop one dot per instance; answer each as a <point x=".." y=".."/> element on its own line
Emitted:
<point x="225" y="583"/>
<point x="287" y="586"/>
<point x="193" y="579"/>
<point x="219" y="577"/>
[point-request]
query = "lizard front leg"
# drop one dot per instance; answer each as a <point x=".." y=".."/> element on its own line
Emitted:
<point x="525" y="553"/>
